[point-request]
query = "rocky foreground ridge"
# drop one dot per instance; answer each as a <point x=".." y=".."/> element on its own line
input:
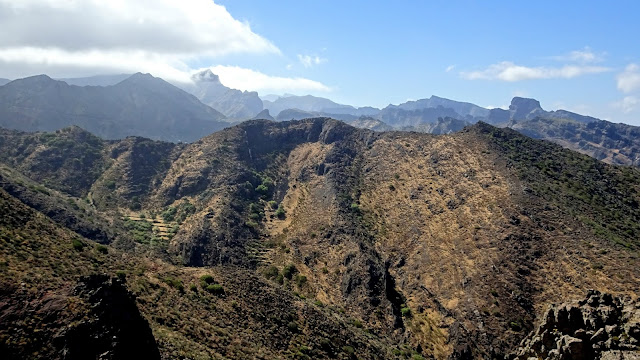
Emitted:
<point x="600" y="326"/>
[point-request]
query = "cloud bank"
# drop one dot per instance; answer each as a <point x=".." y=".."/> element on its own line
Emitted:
<point x="508" y="71"/>
<point x="162" y="37"/>
<point x="247" y="79"/>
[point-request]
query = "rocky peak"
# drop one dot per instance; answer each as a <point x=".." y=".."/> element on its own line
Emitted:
<point x="263" y="115"/>
<point x="601" y="326"/>
<point x="524" y="108"/>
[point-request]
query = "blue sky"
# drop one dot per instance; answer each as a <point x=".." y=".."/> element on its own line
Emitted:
<point x="380" y="52"/>
<point x="580" y="56"/>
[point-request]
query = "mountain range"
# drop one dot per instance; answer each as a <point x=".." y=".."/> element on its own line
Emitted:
<point x="309" y="239"/>
<point x="235" y="104"/>
<point x="116" y="106"/>
<point x="138" y="105"/>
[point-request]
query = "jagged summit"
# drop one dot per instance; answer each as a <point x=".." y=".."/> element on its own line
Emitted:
<point x="524" y="108"/>
<point x="264" y="114"/>
<point x="235" y="104"/>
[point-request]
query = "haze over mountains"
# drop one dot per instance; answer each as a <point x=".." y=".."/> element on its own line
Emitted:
<point x="139" y="105"/>
<point x="116" y="106"/>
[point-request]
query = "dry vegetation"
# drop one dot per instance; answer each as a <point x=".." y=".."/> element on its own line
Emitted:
<point x="323" y="241"/>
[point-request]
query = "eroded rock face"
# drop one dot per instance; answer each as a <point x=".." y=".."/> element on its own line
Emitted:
<point x="96" y="319"/>
<point x="114" y="329"/>
<point x="600" y="326"/>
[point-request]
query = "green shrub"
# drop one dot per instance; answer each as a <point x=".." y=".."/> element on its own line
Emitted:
<point x="262" y="189"/>
<point x="121" y="274"/>
<point x="193" y="287"/>
<point x="292" y="326"/>
<point x="174" y="283"/>
<point x="405" y="311"/>
<point x="111" y="185"/>
<point x="273" y="204"/>
<point x="102" y="249"/>
<point x="169" y="214"/>
<point x="255" y="208"/>
<point x="349" y="350"/>
<point x="77" y="245"/>
<point x="355" y="207"/>
<point x="206" y="280"/>
<point x="280" y="213"/>
<point x="357" y="323"/>
<point x="271" y="272"/>
<point x="318" y="303"/>
<point x="252" y="224"/>
<point x="301" y="280"/>
<point x="215" y="289"/>
<point x="267" y="182"/>
<point x="515" y="326"/>
<point x="288" y="271"/>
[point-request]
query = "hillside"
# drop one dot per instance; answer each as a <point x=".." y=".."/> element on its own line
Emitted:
<point x="402" y="244"/>
<point x="140" y="105"/>
<point x="603" y="140"/>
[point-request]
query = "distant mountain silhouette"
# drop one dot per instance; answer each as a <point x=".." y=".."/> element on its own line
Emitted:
<point x="233" y="103"/>
<point x="97" y="80"/>
<point x="140" y="105"/>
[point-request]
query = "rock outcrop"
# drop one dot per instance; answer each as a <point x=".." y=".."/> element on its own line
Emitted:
<point x="599" y="327"/>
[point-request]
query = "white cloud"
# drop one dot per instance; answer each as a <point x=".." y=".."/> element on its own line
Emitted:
<point x="627" y="104"/>
<point x="508" y="71"/>
<point x="449" y="68"/>
<point x="174" y="27"/>
<point x="247" y="79"/>
<point x="629" y="79"/>
<point x="163" y="37"/>
<point x="309" y="61"/>
<point x="585" y="55"/>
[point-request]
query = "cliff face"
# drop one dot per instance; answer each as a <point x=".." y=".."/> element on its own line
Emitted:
<point x="601" y="326"/>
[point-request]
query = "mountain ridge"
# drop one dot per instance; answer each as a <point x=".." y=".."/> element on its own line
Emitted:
<point x="515" y="223"/>
<point x="139" y="105"/>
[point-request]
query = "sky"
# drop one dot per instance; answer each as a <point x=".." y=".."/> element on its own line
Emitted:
<point x="579" y="56"/>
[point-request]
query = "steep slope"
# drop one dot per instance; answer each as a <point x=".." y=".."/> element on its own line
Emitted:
<point x="61" y="296"/>
<point x="446" y="245"/>
<point x="47" y="311"/>
<point x="140" y="105"/>
<point x="69" y="160"/>
<point x="603" y="140"/>
<point x="371" y="221"/>
<point x="233" y="103"/>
